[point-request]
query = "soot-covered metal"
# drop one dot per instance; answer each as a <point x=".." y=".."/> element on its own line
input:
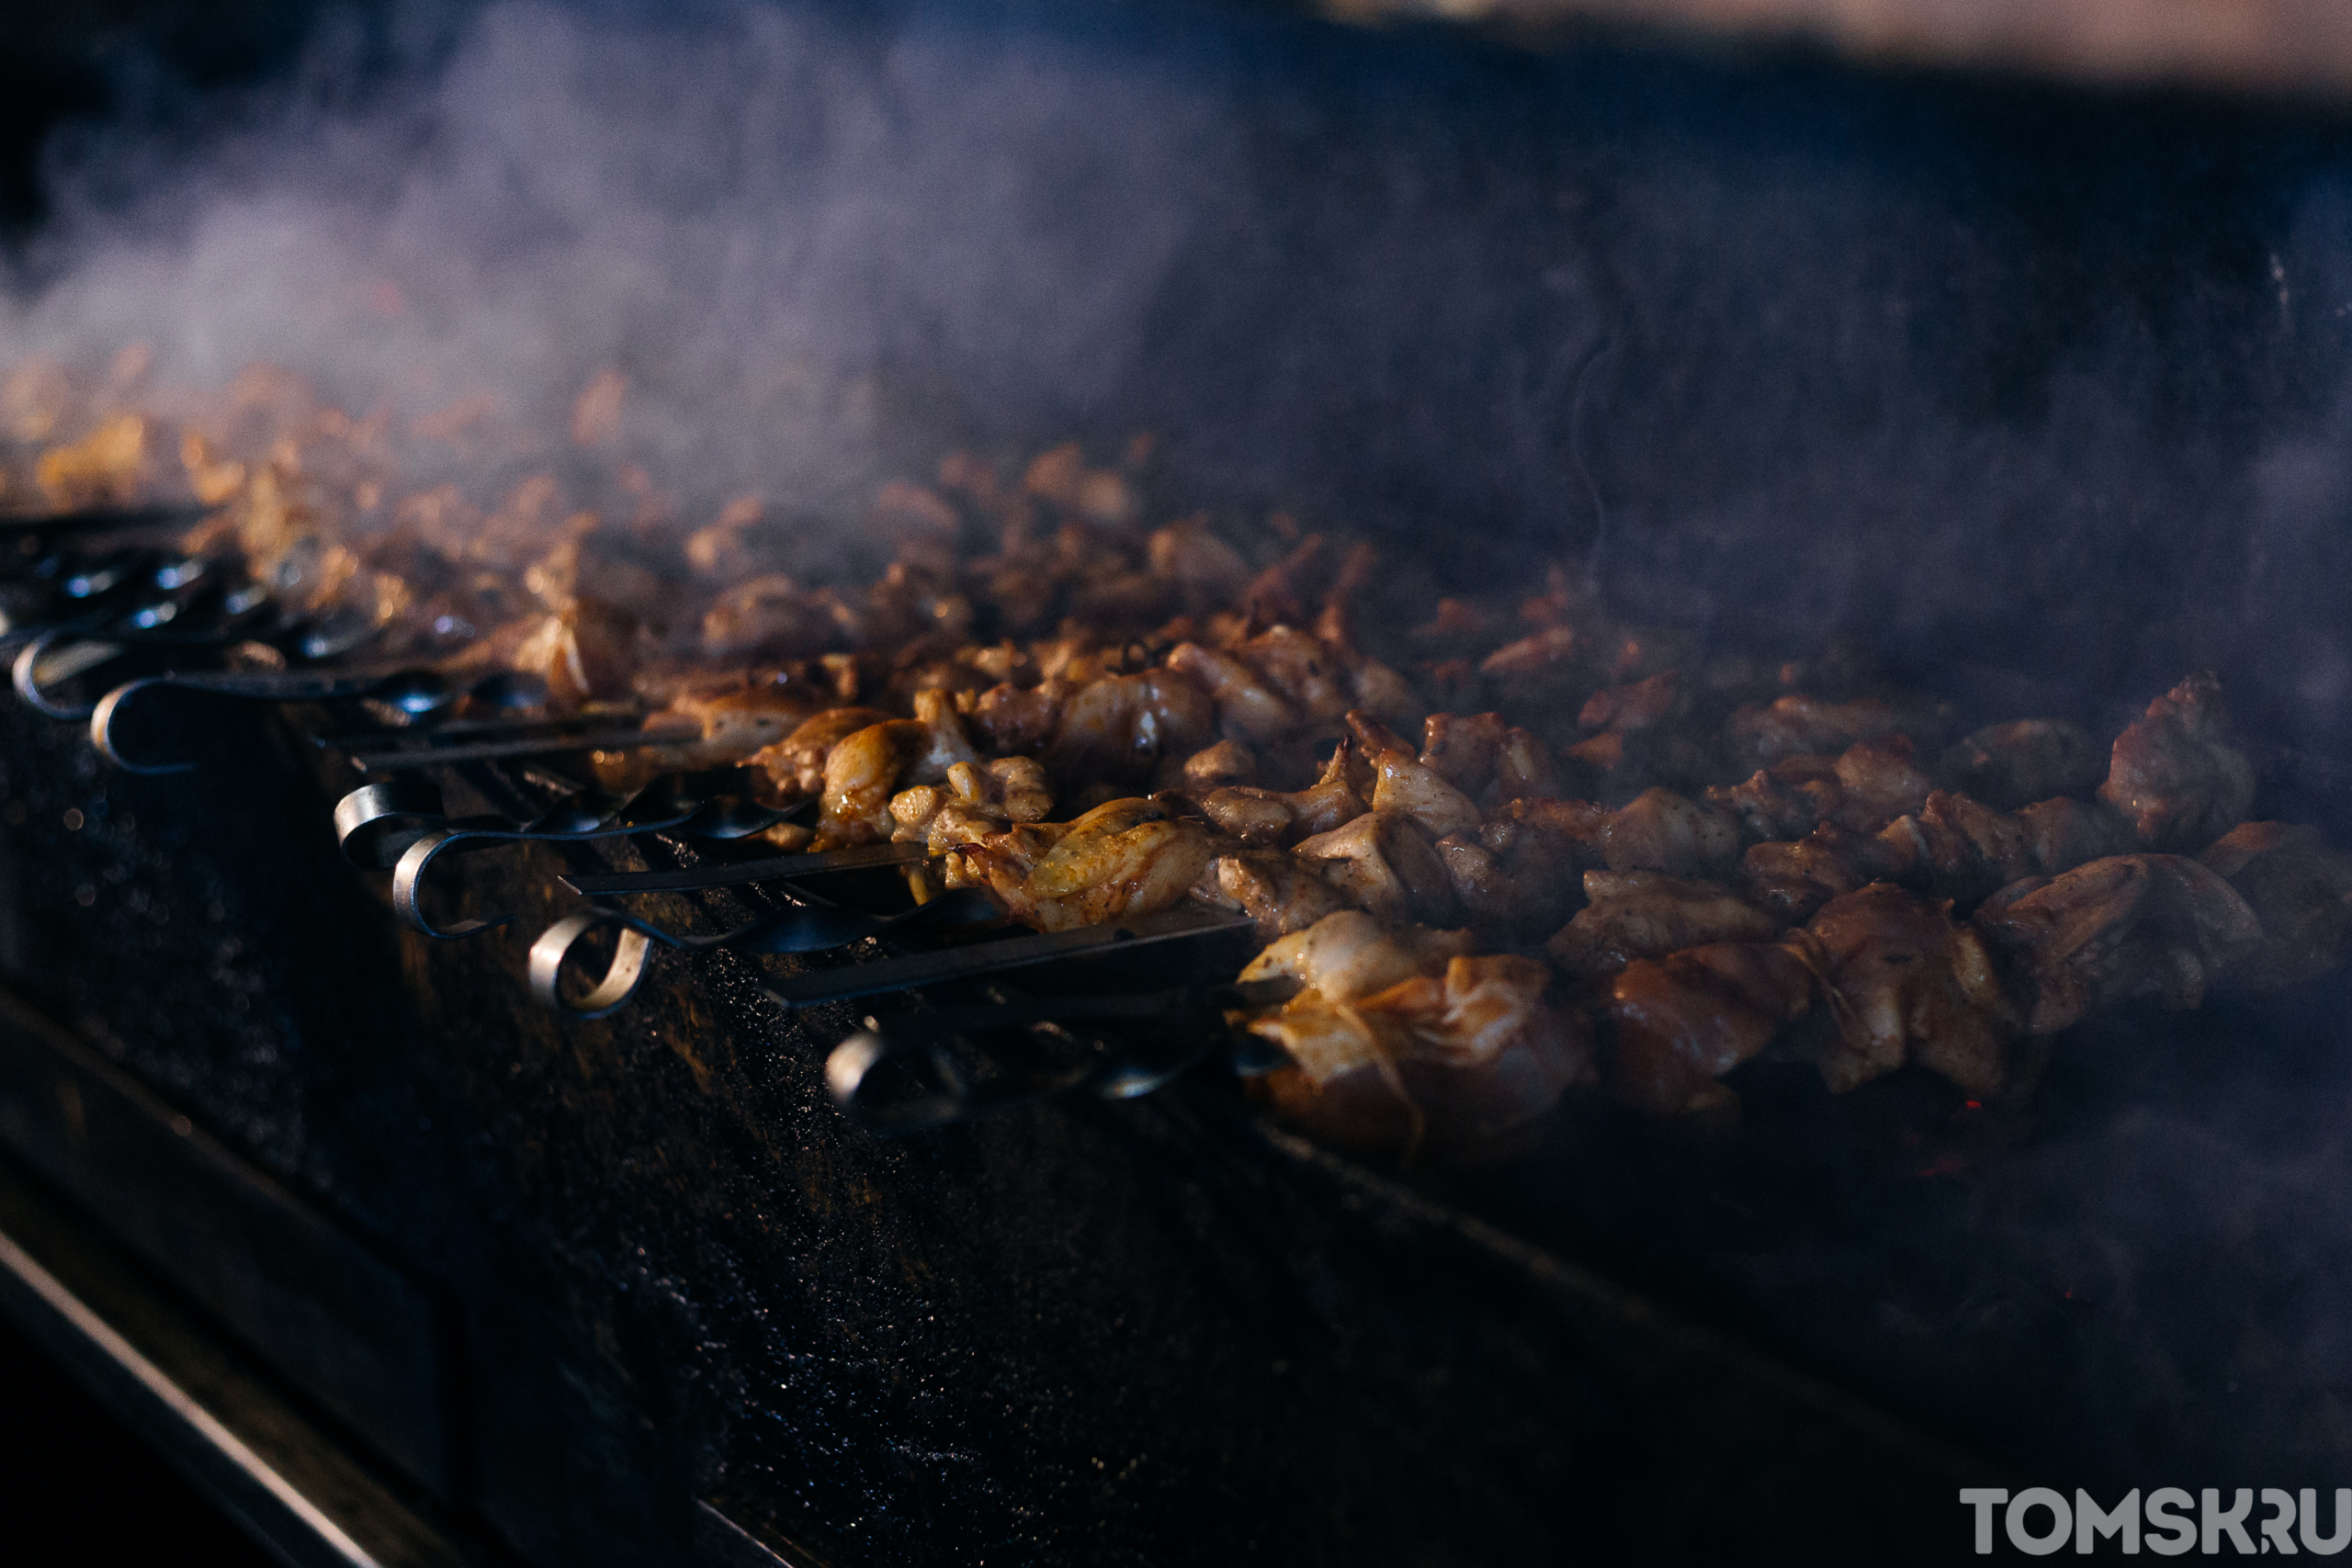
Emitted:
<point x="2034" y="393"/>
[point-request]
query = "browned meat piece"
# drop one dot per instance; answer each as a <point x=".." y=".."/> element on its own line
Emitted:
<point x="1485" y="757"/>
<point x="1879" y="781"/>
<point x="1125" y="857"/>
<point x="2064" y="834"/>
<point x="1797" y="723"/>
<point x="773" y="617"/>
<point x="1384" y="863"/>
<point x="1461" y="749"/>
<point x="2175" y="772"/>
<point x="1624" y="709"/>
<point x="1273" y="816"/>
<point x="1443" y="1065"/>
<point x="1206" y="573"/>
<point x="1406" y="786"/>
<point x="1121" y="729"/>
<point x="1281" y="892"/>
<point x="1550" y="652"/>
<point x="2125" y="926"/>
<point x="1660" y="830"/>
<point x="1956" y="848"/>
<point x="736" y="723"/>
<point x="1647" y="914"/>
<point x="1787" y="800"/>
<point x="797" y="763"/>
<point x="1249" y="708"/>
<point x="870" y="766"/>
<point x="1006" y="718"/>
<point x="1374" y="734"/>
<point x="2301" y="891"/>
<point x="1349" y="954"/>
<point x="1535" y="853"/>
<point x="1792" y="879"/>
<point x="1484" y="890"/>
<point x="2008" y="765"/>
<point x="588" y="651"/>
<point x="977" y="799"/>
<point x="1904" y="983"/>
<point x="1680" y="1023"/>
<point x="1310" y="675"/>
<point x="1226" y="762"/>
<point x="1523" y="770"/>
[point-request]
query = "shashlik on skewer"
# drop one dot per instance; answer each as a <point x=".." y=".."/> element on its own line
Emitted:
<point x="1093" y="718"/>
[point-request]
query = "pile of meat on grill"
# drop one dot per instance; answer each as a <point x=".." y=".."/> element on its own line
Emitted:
<point x="1506" y="847"/>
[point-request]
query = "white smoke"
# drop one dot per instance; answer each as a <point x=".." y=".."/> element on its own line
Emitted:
<point x="759" y="218"/>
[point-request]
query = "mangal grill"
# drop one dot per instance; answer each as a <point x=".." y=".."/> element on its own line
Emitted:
<point x="502" y="1168"/>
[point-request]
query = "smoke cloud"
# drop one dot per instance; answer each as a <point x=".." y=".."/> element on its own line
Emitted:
<point x="2043" y="381"/>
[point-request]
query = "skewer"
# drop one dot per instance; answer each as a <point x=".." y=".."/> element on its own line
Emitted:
<point x="774" y="868"/>
<point x="86" y="519"/>
<point x="1167" y="1034"/>
<point x="418" y="757"/>
<point x="801" y="927"/>
<point x="886" y="975"/>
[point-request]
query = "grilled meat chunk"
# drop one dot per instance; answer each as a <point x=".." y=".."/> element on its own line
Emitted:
<point x="1446" y="1059"/>
<point x="1647" y="914"/>
<point x="2008" y="765"/>
<point x="1796" y="724"/>
<point x="1384" y="862"/>
<point x="1678" y="1024"/>
<point x="977" y="799"/>
<point x="2125" y="926"/>
<point x="2299" y="889"/>
<point x="1282" y="892"/>
<point x="1124" y="858"/>
<point x="795" y="764"/>
<point x="2176" y="774"/>
<point x="1273" y="816"/>
<point x="1120" y="730"/>
<point x="1903" y="983"/>
<point x="867" y="767"/>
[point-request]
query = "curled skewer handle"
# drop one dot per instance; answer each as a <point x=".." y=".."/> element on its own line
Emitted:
<point x="1176" y="1032"/>
<point x="408" y="872"/>
<point x="377" y="823"/>
<point x="29" y="675"/>
<point x="102" y="721"/>
<point x="260" y="686"/>
<point x="948" y="1095"/>
<point x="408" y="879"/>
<point x="621" y="977"/>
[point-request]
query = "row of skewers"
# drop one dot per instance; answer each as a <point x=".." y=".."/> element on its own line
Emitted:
<point x="1457" y="931"/>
